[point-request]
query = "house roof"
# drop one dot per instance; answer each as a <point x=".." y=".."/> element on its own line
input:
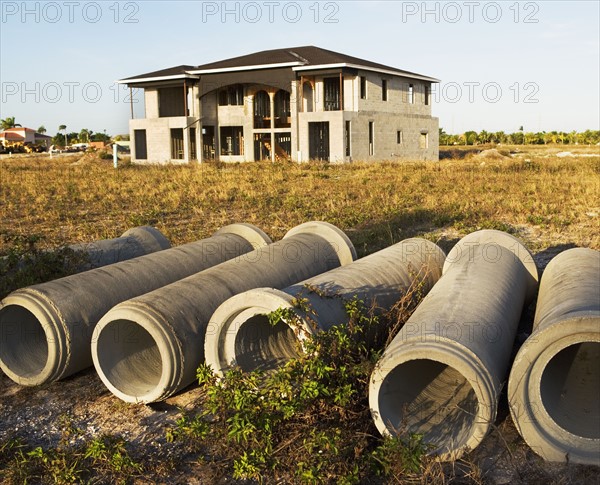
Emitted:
<point x="297" y="58"/>
<point x="300" y="59"/>
<point x="17" y="128"/>
<point x="176" y="72"/>
<point x="11" y="135"/>
<point x="17" y="133"/>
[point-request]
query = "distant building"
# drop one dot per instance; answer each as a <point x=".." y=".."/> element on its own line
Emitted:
<point x="123" y="146"/>
<point x="25" y="136"/>
<point x="299" y="103"/>
<point x="97" y="144"/>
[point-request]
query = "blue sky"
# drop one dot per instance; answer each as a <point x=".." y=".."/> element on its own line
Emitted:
<point x="502" y="64"/>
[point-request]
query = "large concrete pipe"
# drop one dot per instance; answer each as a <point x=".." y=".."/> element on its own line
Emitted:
<point x="46" y="329"/>
<point x="240" y="332"/>
<point x="149" y="347"/>
<point x="554" y="385"/>
<point x="442" y="374"/>
<point x="133" y="243"/>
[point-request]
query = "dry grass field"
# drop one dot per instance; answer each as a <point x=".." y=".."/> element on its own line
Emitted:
<point x="551" y="202"/>
<point x="544" y="199"/>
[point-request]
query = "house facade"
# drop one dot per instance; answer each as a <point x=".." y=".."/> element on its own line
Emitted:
<point x="24" y="136"/>
<point x="302" y="103"/>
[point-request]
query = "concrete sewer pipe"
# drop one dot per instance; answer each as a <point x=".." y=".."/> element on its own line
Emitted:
<point x="150" y="347"/>
<point x="554" y="385"/>
<point x="46" y="329"/>
<point x="133" y="243"/>
<point x="240" y="333"/>
<point x="442" y="374"/>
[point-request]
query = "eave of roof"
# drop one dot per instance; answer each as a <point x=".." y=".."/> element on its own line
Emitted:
<point x="9" y="135"/>
<point x="246" y="68"/>
<point x="14" y="129"/>
<point x="157" y="78"/>
<point x="393" y="72"/>
<point x="177" y="72"/>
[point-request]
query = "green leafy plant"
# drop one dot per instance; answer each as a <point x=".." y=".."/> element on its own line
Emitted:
<point x="71" y="461"/>
<point x="307" y="421"/>
<point x="397" y="455"/>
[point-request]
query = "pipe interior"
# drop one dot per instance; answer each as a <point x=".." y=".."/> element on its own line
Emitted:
<point x="23" y="343"/>
<point x="262" y="346"/>
<point x="430" y="398"/>
<point x="570" y="389"/>
<point x="129" y="357"/>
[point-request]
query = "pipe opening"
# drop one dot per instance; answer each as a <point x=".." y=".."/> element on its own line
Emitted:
<point x="570" y="389"/>
<point x="429" y="398"/>
<point x="129" y="357"/>
<point x="262" y="346"/>
<point x="23" y="343"/>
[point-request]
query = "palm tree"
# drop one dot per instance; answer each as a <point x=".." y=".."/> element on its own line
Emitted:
<point x="64" y="128"/>
<point x="41" y="129"/>
<point x="85" y="134"/>
<point x="8" y="122"/>
<point x="470" y="137"/>
<point x="483" y="137"/>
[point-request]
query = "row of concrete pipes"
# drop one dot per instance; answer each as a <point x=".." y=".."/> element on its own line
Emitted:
<point x="147" y="318"/>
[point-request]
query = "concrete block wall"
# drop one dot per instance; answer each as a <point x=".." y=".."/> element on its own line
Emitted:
<point x="397" y="94"/>
<point x="336" y="133"/>
<point x="386" y="126"/>
<point x="158" y="138"/>
<point x="151" y="102"/>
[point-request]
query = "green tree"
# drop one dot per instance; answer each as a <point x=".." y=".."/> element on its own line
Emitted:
<point x="517" y="138"/>
<point x="470" y="137"/>
<point x="100" y="137"/>
<point x="484" y="137"/>
<point x="64" y="128"/>
<point x="8" y="122"/>
<point x="444" y="137"/>
<point x="84" y="135"/>
<point x="572" y="137"/>
<point x="41" y="129"/>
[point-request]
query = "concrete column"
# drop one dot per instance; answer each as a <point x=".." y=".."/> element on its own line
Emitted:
<point x="217" y="129"/>
<point x="198" y="111"/>
<point x="442" y="374"/>
<point x="272" y="113"/>
<point x="242" y="335"/>
<point x="46" y="329"/>
<point x="186" y="143"/>
<point x="554" y="385"/>
<point x="150" y="347"/>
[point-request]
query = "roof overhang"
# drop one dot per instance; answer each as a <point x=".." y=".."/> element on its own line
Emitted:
<point x="245" y="68"/>
<point x="11" y="136"/>
<point x="365" y="68"/>
<point x="156" y="78"/>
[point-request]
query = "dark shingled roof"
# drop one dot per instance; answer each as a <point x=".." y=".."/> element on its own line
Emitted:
<point x="304" y="55"/>
<point x="171" y="71"/>
<point x="307" y="55"/>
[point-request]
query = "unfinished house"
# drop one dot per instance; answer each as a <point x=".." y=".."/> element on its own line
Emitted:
<point x="301" y="103"/>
